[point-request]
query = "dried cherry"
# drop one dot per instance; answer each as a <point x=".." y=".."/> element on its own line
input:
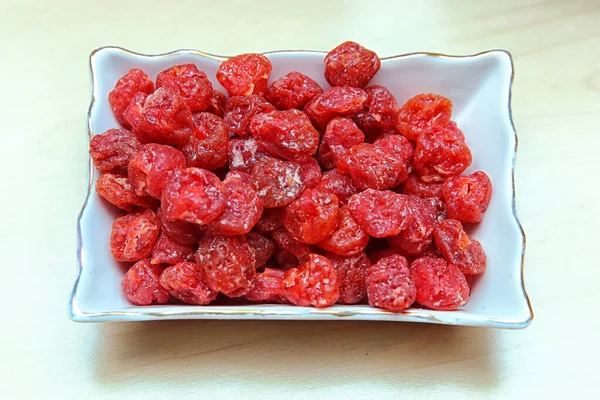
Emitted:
<point x="112" y="150"/>
<point x="285" y="241"/>
<point x="417" y="236"/>
<point x="350" y="64"/>
<point x="169" y="251"/>
<point x="244" y="153"/>
<point x="440" y="285"/>
<point x="349" y="238"/>
<point x="117" y="190"/>
<point x="380" y="113"/>
<point x="342" y="101"/>
<point x="341" y="134"/>
<point x="351" y="272"/>
<point x="180" y="231"/>
<point x="458" y="248"/>
<point x="269" y="221"/>
<point x="141" y="284"/>
<point x="241" y="109"/>
<point x="217" y="104"/>
<point x="149" y="169"/>
<point x="277" y="182"/>
<point x="245" y="74"/>
<point x="339" y="184"/>
<point x="292" y="91"/>
<point x="380" y="213"/>
<point x="134" y="235"/>
<point x="313" y="283"/>
<point x="415" y="186"/>
<point x="184" y="282"/>
<point x="310" y="173"/>
<point x="126" y="87"/>
<point x="269" y="287"/>
<point x="208" y="145"/>
<point x="193" y="85"/>
<point x="419" y="113"/>
<point x="263" y="248"/>
<point x="389" y="284"/>
<point x="372" y="167"/>
<point x="467" y="197"/>
<point x="313" y="216"/>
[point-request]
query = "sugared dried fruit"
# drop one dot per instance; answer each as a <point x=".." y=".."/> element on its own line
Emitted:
<point x="341" y="134"/>
<point x="193" y="85"/>
<point x="217" y="104"/>
<point x="149" y="169"/>
<point x="348" y="239"/>
<point x="134" y="235"/>
<point x="193" y="195"/>
<point x="184" y="282"/>
<point x="285" y="241"/>
<point x="245" y="74"/>
<point x="310" y="173"/>
<point x="180" y="231"/>
<point x="339" y="184"/>
<point x="241" y="109"/>
<point x="380" y="113"/>
<point x="467" y="197"/>
<point x="372" y="167"/>
<point x="351" y="273"/>
<point x="208" y="145"/>
<point x="292" y="91"/>
<point x="415" y="186"/>
<point x="421" y="112"/>
<point x="277" y="182"/>
<point x="269" y="287"/>
<point x="112" y="150"/>
<point x="343" y="101"/>
<point x="141" y="285"/>
<point x="244" y="153"/>
<point x="417" y="236"/>
<point x="380" y="213"/>
<point x="126" y="87"/>
<point x="169" y="251"/>
<point x="270" y="221"/>
<point x="350" y="64"/>
<point x="458" y="248"/>
<point x="263" y="248"/>
<point x="389" y="284"/>
<point x="313" y="283"/>
<point x="117" y="190"/>
<point x="313" y="216"/>
<point x="440" y="285"/>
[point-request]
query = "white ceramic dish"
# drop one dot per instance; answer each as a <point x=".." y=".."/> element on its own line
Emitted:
<point x="479" y="86"/>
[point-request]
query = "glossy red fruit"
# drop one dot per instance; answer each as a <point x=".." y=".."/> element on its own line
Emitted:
<point x="227" y="264"/>
<point x="244" y="153"/>
<point x="241" y="109"/>
<point x="180" y="231"/>
<point x="134" y="235"/>
<point x="184" y="282"/>
<point x="313" y="283"/>
<point x="351" y="272"/>
<point x="292" y="91"/>
<point x="269" y="221"/>
<point x="169" y="251"/>
<point x="245" y="74"/>
<point x="269" y="287"/>
<point x="440" y="285"/>
<point x="380" y="113"/>
<point x="310" y="173"/>
<point x="341" y="134"/>
<point x="141" y="285"/>
<point x="277" y="182"/>
<point x="458" y="248"/>
<point x="263" y="248"/>
<point x="112" y="150"/>
<point x="217" y="104"/>
<point x="415" y="186"/>
<point x="417" y="236"/>
<point x="468" y="197"/>
<point x="421" y="112"/>
<point x="341" y="101"/>
<point x="126" y="87"/>
<point x="339" y="184"/>
<point x="285" y="241"/>
<point x="208" y="144"/>
<point x="193" y="195"/>
<point x="349" y="238"/>
<point x="313" y="216"/>
<point x="149" y="169"/>
<point x="117" y="190"/>
<point x="381" y="213"/>
<point x="350" y="64"/>
<point x="193" y="85"/>
<point x="389" y="284"/>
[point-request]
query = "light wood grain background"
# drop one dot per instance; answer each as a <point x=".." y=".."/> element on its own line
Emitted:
<point x="44" y="87"/>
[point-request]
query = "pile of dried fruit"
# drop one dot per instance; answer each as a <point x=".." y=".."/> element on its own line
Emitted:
<point x="288" y="193"/>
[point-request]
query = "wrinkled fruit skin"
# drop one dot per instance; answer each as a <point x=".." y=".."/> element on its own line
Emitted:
<point x="217" y="104"/>
<point x="141" y="284"/>
<point x="277" y="182"/>
<point x="313" y="283"/>
<point x="351" y="273"/>
<point x="149" y="169"/>
<point x="440" y="285"/>
<point x="399" y="147"/>
<point x="415" y="186"/>
<point x="180" y="231"/>
<point x="269" y="287"/>
<point x="310" y="174"/>
<point x="348" y="239"/>
<point x="421" y="112"/>
<point x="127" y="86"/>
<point x="341" y="134"/>
<point x="458" y="248"/>
<point x="292" y="91"/>
<point x="339" y="184"/>
<point x="193" y="195"/>
<point x="380" y="113"/>
<point x="193" y="85"/>
<point x="467" y="197"/>
<point x="440" y="154"/>
<point x="245" y="74"/>
<point x="286" y="134"/>
<point x="208" y="145"/>
<point x="343" y="101"/>
<point x="381" y="213"/>
<point x="112" y="150"/>
<point x="162" y="117"/>
<point x="227" y="264"/>
<point x="389" y="284"/>
<point x="134" y="235"/>
<point x="372" y="167"/>
<point x="312" y="217"/>
<point x="244" y="153"/>
<point x="350" y="64"/>
<point x="269" y="221"/>
<point x="169" y="251"/>
<point x="184" y="282"/>
<point x="285" y="241"/>
<point x="263" y="248"/>
<point x="241" y="109"/>
<point x="117" y="190"/>
<point x="417" y="236"/>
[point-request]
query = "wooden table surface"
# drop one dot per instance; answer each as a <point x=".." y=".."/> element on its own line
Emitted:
<point x="45" y="93"/>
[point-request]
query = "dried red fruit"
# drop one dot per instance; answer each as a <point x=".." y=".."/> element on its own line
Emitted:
<point x="467" y="197"/>
<point x="417" y="236"/>
<point x="341" y="134"/>
<point x="193" y="85"/>
<point x="397" y="146"/>
<point x="285" y="241"/>
<point x="351" y="272"/>
<point x="313" y="216"/>
<point x="372" y="167"/>
<point x="245" y="74"/>
<point x="169" y="251"/>
<point x="380" y="113"/>
<point x="244" y="154"/>
<point x="415" y="186"/>
<point x="286" y="134"/>
<point x="349" y="238"/>
<point x="227" y="264"/>
<point x="141" y="284"/>
<point x="217" y="104"/>
<point x="184" y="282"/>
<point x="193" y="195"/>
<point x="117" y="190"/>
<point x="162" y="117"/>
<point x="350" y="64"/>
<point x="241" y="109"/>
<point x="313" y="283"/>
<point x="380" y="213"/>
<point x="270" y="221"/>
<point x="458" y="248"/>
<point x="440" y="154"/>
<point x="149" y="169"/>
<point x="421" y="112"/>
<point x="134" y="235"/>
<point x="389" y="284"/>
<point x="310" y="173"/>
<point x="242" y="211"/>
<point x="112" y="150"/>
<point x="285" y="259"/>
<point x="208" y="144"/>
<point x="339" y="184"/>
<point x="440" y="285"/>
<point x="263" y="248"/>
<point x="375" y="256"/>
<point x="180" y="231"/>
<point x="126" y="87"/>
<point x="277" y="182"/>
<point x="270" y="287"/>
<point x="341" y="101"/>
<point x="292" y="91"/>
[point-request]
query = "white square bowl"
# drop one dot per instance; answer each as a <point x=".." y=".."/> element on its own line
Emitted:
<point x="480" y="88"/>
